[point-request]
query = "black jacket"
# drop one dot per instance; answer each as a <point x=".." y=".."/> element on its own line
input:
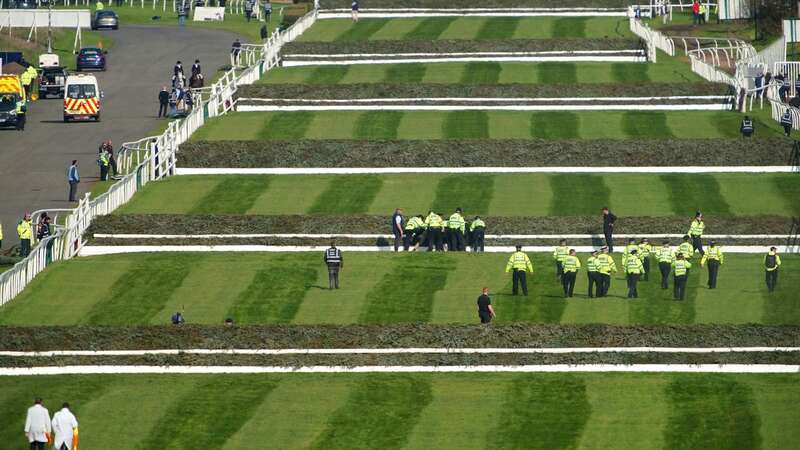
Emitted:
<point x="608" y="221"/>
<point x="163" y="97"/>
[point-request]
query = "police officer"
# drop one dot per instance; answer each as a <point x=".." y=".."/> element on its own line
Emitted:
<point x="434" y="224"/>
<point x="571" y="266"/>
<point x="594" y="276"/>
<point x="521" y="265"/>
<point x="398" y="222"/>
<point x="680" y="268"/>
<point x="644" y="254"/>
<point x="485" y="310"/>
<point x="608" y="227"/>
<point x="335" y="262"/>
<point x="696" y="232"/>
<point x="478" y="231"/>
<point x="25" y="233"/>
<point x="21" y="115"/>
<point x="628" y="249"/>
<point x="559" y="255"/>
<point x="633" y="270"/>
<point x="786" y="121"/>
<point x="715" y="259"/>
<point x="605" y="267"/>
<point x="686" y="248"/>
<point x="665" y="256"/>
<point x="414" y="228"/>
<point x="747" y="127"/>
<point x="772" y="262"/>
<point x="455" y="227"/>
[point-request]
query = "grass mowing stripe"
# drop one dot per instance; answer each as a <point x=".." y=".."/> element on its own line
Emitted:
<point x="646" y="125"/>
<point x="657" y="306"/>
<point x="405" y="73"/>
<point x="232" y="195"/>
<point x="378" y="125"/>
<point x="410" y="278"/>
<point x="573" y="195"/>
<point x="327" y="75"/>
<point x="789" y="188"/>
<point x="690" y="194"/>
<point x="347" y="195"/>
<point x="498" y="28"/>
<point x="553" y="409"/>
<point x="470" y="192"/>
<point x="555" y="125"/>
<point x="380" y="412"/>
<point x="556" y="73"/>
<point x="276" y="291"/>
<point x="783" y="305"/>
<point x="220" y="407"/>
<point x="430" y="28"/>
<point x="143" y="291"/>
<point x="712" y="411"/>
<point x="466" y="125"/>
<point x="569" y="27"/>
<point x="362" y="30"/>
<point x="481" y="73"/>
<point x="627" y="73"/>
<point x="291" y="125"/>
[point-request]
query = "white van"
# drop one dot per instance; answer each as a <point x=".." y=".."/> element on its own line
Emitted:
<point x="82" y="98"/>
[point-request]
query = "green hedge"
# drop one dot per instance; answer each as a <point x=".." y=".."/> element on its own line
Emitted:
<point x="331" y="4"/>
<point x="363" y="224"/>
<point x="378" y="90"/>
<point x="485" y="152"/>
<point x="458" y="46"/>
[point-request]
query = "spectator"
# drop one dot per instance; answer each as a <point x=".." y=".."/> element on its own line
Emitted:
<point x="248" y="9"/>
<point x="1" y="235"/>
<point x="236" y="48"/>
<point x="759" y="80"/>
<point x="177" y="318"/>
<point x="37" y="425"/>
<point x="65" y="427"/>
<point x="25" y="233"/>
<point x="695" y="12"/>
<point x="485" y="310"/>
<point x="767" y="79"/>
<point x="267" y="11"/>
<point x="182" y="13"/>
<point x="163" y="101"/>
<point x="73" y="178"/>
<point x="43" y="227"/>
<point x="354" y="10"/>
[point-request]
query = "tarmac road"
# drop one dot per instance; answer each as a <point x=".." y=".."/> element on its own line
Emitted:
<point x="33" y="163"/>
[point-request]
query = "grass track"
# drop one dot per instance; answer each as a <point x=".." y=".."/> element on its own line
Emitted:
<point x="380" y="288"/>
<point x="498" y="195"/>
<point x="553" y="411"/>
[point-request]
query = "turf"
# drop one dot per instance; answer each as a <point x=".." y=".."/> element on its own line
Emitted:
<point x="498" y="195"/>
<point x="381" y="288"/>
<point x="497" y="124"/>
<point x="417" y="411"/>
<point x="379" y="125"/>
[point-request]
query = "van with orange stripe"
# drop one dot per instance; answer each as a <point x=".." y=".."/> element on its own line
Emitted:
<point x="82" y="98"/>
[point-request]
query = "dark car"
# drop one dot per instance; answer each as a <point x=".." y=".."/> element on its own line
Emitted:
<point x="8" y="109"/>
<point x="52" y="81"/>
<point x="105" y="19"/>
<point x="91" y="58"/>
<point x="22" y="4"/>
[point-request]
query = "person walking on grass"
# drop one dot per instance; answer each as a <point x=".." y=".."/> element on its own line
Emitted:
<point x="786" y="121"/>
<point x="715" y="259"/>
<point x="644" y="254"/>
<point x="592" y="265"/>
<point x="485" y="310"/>
<point x="73" y="178"/>
<point x="571" y="266"/>
<point x="608" y="228"/>
<point x="696" y="230"/>
<point x="38" y="426"/>
<point x="65" y="428"/>
<point x="747" y="128"/>
<point x="605" y="267"/>
<point x="665" y="256"/>
<point x="772" y="262"/>
<point x="633" y="270"/>
<point x="559" y="255"/>
<point x="521" y="265"/>
<point x="680" y="268"/>
<point x="354" y="10"/>
<point x="335" y="262"/>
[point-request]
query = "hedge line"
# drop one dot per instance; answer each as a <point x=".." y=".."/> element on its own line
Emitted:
<point x="335" y="4"/>
<point x="458" y="46"/>
<point x="406" y="90"/>
<point x="485" y="152"/>
<point x="86" y="337"/>
<point x="363" y="224"/>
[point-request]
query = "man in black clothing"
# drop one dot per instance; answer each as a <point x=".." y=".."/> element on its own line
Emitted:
<point x="485" y="310"/>
<point x="398" y="224"/>
<point x="608" y="228"/>
<point x="335" y="262"/>
<point x="747" y="127"/>
<point x="163" y="102"/>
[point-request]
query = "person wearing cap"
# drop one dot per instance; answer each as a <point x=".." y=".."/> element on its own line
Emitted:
<point x="478" y="231"/>
<point x="25" y="233"/>
<point x="686" y="248"/>
<point x="520" y="264"/>
<point x="594" y="276"/>
<point x="644" y="254"/>
<point x="413" y="231"/>
<point x="571" y="266"/>
<point x="665" y="256"/>
<point x="715" y="259"/>
<point x="434" y="225"/>
<point x="455" y="232"/>
<point x="334" y="260"/>
<point x="605" y="267"/>
<point x="633" y="270"/>
<point x="696" y="233"/>
<point x="559" y="255"/>
<point x="680" y="268"/>
<point x="628" y="249"/>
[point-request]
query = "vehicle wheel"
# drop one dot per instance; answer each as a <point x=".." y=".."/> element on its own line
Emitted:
<point x="66" y="119"/>
<point x="115" y="28"/>
<point x="42" y="95"/>
<point x="97" y="118"/>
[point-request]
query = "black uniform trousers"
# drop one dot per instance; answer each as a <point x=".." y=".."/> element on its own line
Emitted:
<point x="608" y="233"/>
<point x="162" y="109"/>
<point x="24" y="247"/>
<point x="435" y="239"/>
<point x="559" y="270"/>
<point x="679" y="290"/>
<point x="21" y="121"/>
<point x="594" y="283"/>
<point x="333" y="275"/>
<point x="518" y="277"/>
<point x="697" y="244"/>
<point x="605" y="284"/>
<point x="787" y="129"/>
<point x="398" y="238"/>
<point x="664" y="267"/>
<point x="633" y="278"/>
<point x="646" y="264"/>
<point x="772" y="279"/>
<point x="409" y="239"/>
<point x="713" y="269"/>
<point x="477" y="240"/>
<point x="568" y="281"/>
<point x="456" y="240"/>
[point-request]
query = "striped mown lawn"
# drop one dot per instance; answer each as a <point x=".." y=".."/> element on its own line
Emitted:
<point x="484" y="194"/>
<point x="417" y="411"/>
<point x="478" y="124"/>
<point x="666" y="70"/>
<point x="291" y="288"/>
<point x="466" y="28"/>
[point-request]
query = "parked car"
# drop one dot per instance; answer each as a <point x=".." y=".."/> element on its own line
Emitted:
<point x="105" y="19"/>
<point x="22" y="4"/>
<point x="52" y="81"/>
<point x="91" y="58"/>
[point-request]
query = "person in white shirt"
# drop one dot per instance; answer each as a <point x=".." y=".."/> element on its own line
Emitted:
<point x="65" y="427"/>
<point x="37" y="425"/>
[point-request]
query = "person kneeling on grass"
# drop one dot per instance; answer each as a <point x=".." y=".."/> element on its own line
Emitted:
<point x="485" y="310"/>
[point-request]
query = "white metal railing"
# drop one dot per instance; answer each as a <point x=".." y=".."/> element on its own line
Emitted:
<point x="143" y="161"/>
<point x="653" y="38"/>
<point x="779" y="108"/>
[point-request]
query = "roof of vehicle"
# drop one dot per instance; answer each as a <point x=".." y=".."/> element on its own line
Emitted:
<point x="81" y="78"/>
<point x="54" y="69"/>
<point x="106" y="12"/>
<point x="91" y="50"/>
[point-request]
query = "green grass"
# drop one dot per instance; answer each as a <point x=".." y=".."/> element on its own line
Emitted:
<point x="417" y="411"/>
<point x="378" y="125"/>
<point x="499" y="195"/>
<point x="379" y="288"/>
<point x="63" y="42"/>
<point x="465" y="28"/>
<point x="493" y="124"/>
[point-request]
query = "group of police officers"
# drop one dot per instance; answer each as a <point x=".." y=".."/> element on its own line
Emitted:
<point x="438" y="233"/>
